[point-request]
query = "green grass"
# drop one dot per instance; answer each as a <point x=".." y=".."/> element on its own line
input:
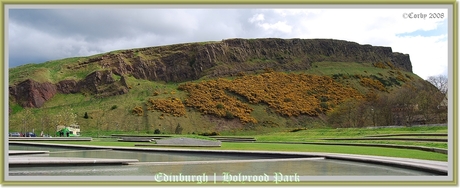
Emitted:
<point x="365" y="69"/>
<point x="316" y="133"/>
<point x="311" y="135"/>
<point x="51" y="71"/>
<point x="390" y="152"/>
<point x="352" y="69"/>
<point x="361" y="150"/>
<point x="442" y="145"/>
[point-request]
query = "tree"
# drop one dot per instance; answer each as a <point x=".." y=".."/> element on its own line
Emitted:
<point x="346" y="114"/>
<point x="145" y="119"/>
<point x="26" y="120"/>
<point x="417" y="102"/>
<point x="440" y="82"/>
<point x="178" y="129"/>
<point x="99" y="116"/>
<point x="46" y="122"/>
<point x="383" y="111"/>
<point x="66" y="117"/>
<point x="405" y="104"/>
<point x="429" y="100"/>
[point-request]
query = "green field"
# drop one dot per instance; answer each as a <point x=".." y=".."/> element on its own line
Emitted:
<point x="315" y="135"/>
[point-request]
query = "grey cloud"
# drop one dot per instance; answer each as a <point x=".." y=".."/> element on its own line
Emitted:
<point x="50" y="34"/>
<point x="96" y="24"/>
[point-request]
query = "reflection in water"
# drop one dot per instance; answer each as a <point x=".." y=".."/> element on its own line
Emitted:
<point x="219" y="166"/>
<point x="302" y="168"/>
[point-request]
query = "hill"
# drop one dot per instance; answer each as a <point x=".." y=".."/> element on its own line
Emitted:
<point x="196" y="87"/>
<point x="32" y="85"/>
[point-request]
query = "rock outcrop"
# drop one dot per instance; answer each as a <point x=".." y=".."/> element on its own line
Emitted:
<point x="30" y="93"/>
<point x="190" y="61"/>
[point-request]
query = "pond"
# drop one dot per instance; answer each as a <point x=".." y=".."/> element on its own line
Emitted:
<point x="152" y="163"/>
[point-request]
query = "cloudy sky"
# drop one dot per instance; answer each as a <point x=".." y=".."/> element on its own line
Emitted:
<point x="39" y="34"/>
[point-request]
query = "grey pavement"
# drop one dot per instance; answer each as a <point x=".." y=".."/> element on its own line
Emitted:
<point x="187" y="142"/>
<point x="47" y="161"/>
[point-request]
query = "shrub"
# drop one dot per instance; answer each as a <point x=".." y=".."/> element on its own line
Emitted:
<point x="220" y="106"/>
<point x="391" y="65"/>
<point x="324" y="105"/>
<point x="240" y="74"/>
<point x="400" y="77"/>
<point x="178" y="129"/>
<point x="380" y="65"/>
<point x="409" y="77"/>
<point x="371" y="83"/>
<point x="229" y="115"/>
<point x="138" y="111"/>
<point x="209" y="134"/>
<point x="304" y="96"/>
<point x="173" y="106"/>
<point x="157" y="131"/>
<point x="114" y="107"/>
<point x="297" y="130"/>
<point x="287" y="100"/>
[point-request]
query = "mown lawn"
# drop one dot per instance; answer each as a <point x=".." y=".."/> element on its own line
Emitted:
<point x="316" y="135"/>
<point x="362" y="150"/>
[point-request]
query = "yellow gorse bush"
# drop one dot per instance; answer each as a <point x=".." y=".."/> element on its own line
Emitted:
<point x="173" y="106"/>
<point x="371" y="83"/>
<point x="287" y="94"/>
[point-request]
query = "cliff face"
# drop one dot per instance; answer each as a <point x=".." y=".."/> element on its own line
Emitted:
<point x="185" y="62"/>
<point x="30" y="93"/>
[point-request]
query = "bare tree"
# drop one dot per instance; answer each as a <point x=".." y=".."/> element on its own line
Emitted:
<point x="440" y="82"/>
<point x="405" y="104"/>
<point x="99" y="115"/>
<point x="46" y="122"/>
<point x="27" y="118"/>
<point x="345" y="115"/>
<point x="383" y="111"/>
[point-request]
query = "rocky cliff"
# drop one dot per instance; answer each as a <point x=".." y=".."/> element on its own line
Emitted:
<point x="190" y="61"/>
<point x="184" y="62"/>
<point x="30" y="93"/>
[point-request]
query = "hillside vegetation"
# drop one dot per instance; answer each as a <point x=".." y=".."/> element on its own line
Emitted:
<point x="262" y="94"/>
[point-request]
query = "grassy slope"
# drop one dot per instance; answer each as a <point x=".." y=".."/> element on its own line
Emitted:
<point x="142" y="90"/>
<point x="51" y="71"/>
<point x="350" y="69"/>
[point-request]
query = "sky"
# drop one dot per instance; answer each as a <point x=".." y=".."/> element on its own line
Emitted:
<point x="40" y="34"/>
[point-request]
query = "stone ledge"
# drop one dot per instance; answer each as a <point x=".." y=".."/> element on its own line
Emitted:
<point x="50" y="138"/>
<point x="63" y="161"/>
<point x="136" y="139"/>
